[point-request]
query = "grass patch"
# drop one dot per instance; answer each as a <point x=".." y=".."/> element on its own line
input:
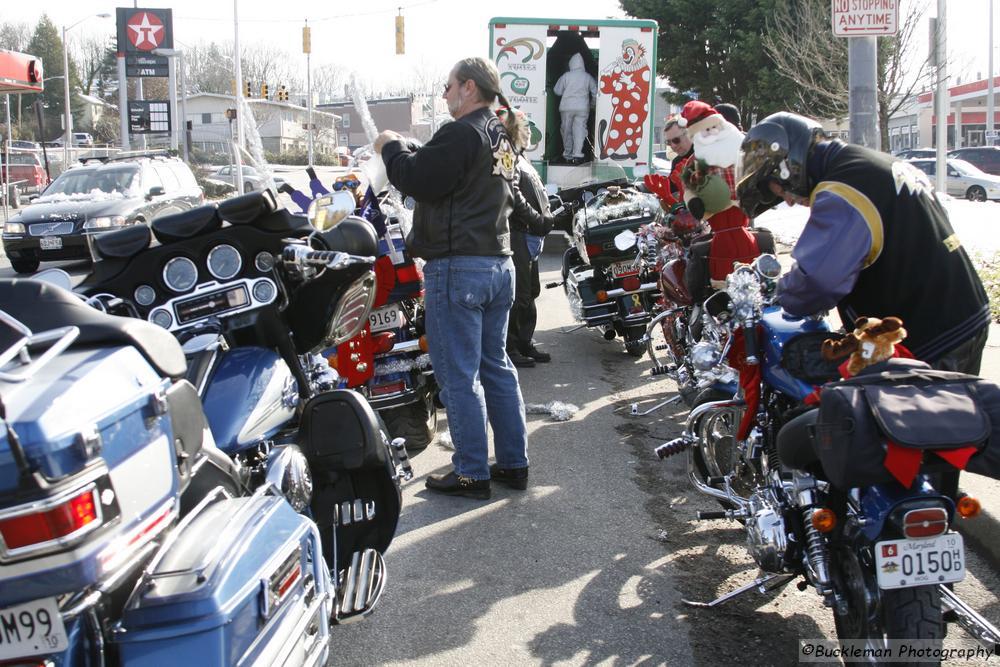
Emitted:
<point x="989" y="273"/>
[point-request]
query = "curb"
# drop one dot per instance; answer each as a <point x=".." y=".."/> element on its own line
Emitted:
<point x="984" y="530"/>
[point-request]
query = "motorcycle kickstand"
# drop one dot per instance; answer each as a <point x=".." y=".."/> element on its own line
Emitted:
<point x="759" y="584"/>
<point x="634" y="407"/>
<point x="572" y="329"/>
<point x="969" y="619"/>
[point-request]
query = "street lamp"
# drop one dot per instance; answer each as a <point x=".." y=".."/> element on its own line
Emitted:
<point x="179" y="54"/>
<point x="68" y="137"/>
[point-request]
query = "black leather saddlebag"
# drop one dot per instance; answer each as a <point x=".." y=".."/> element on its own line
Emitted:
<point x="339" y="432"/>
<point x="910" y="404"/>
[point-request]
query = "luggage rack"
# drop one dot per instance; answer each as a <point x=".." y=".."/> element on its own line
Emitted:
<point x="125" y="155"/>
<point x="56" y="339"/>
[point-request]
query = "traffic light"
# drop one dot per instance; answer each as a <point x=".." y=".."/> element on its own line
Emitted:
<point x="263" y="91"/>
<point x="246" y="89"/>
<point x="306" y="40"/>
<point x="399" y="35"/>
<point x="282" y="94"/>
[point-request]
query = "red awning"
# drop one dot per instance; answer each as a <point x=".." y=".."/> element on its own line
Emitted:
<point x="20" y="72"/>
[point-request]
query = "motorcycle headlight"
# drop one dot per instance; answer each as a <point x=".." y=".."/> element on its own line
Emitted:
<point x="13" y="228"/>
<point x="105" y="222"/>
<point x="705" y="356"/>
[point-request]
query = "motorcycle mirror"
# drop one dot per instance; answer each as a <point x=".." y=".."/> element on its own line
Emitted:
<point x="56" y="277"/>
<point x="625" y="240"/>
<point x="326" y="211"/>
<point x="768" y="266"/>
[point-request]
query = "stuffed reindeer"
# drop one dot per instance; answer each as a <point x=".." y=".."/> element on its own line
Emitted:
<point x="873" y="340"/>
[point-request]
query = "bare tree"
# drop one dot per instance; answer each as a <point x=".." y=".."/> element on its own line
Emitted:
<point x="328" y="80"/>
<point x="89" y="53"/>
<point x="801" y="43"/>
<point x="15" y="36"/>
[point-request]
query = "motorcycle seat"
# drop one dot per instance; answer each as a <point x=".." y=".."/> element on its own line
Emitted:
<point x="41" y="306"/>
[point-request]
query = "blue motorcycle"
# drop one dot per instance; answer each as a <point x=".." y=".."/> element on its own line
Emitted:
<point x="881" y="554"/>
<point x="220" y="508"/>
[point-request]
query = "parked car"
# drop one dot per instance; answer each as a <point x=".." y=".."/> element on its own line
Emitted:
<point x="79" y="139"/>
<point x="23" y="144"/>
<point x="252" y="178"/>
<point x="964" y="179"/>
<point x="911" y="153"/>
<point x="987" y="158"/>
<point x="100" y="195"/>
<point x="661" y="163"/>
<point x="26" y="170"/>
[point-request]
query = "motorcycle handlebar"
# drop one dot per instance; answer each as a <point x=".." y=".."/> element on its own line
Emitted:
<point x="750" y="343"/>
<point x="299" y="255"/>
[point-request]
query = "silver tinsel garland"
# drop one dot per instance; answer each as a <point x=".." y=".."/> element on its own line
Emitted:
<point x="403" y="365"/>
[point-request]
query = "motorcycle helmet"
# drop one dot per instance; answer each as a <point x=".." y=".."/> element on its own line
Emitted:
<point x="775" y="149"/>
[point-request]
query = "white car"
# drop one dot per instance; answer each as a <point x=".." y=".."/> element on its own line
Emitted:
<point x="964" y="179"/>
<point x="252" y="179"/>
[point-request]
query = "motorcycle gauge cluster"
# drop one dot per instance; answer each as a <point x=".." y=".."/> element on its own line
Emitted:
<point x="224" y="261"/>
<point x="180" y="274"/>
<point x="144" y="295"/>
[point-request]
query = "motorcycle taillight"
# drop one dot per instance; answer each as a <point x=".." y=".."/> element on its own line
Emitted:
<point x="594" y="249"/>
<point x="36" y="527"/>
<point x="927" y="522"/>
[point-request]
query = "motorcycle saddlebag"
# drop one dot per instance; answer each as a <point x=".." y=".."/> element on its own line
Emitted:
<point x="339" y="431"/>
<point x="908" y="403"/>
<point x="239" y="583"/>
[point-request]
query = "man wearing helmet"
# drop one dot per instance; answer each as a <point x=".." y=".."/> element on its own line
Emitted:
<point x="877" y="243"/>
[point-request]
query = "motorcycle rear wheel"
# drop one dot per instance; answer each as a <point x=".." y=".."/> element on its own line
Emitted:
<point x="885" y="619"/>
<point x="416" y="422"/>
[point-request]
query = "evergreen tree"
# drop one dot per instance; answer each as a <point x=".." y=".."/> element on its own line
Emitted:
<point x="711" y="50"/>
<point x="46" y="43"/>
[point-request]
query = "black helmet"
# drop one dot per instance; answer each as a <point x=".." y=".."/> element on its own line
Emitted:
<point x="775" y="149"/>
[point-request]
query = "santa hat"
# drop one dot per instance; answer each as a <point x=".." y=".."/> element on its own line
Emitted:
<point x="696" y="115"/>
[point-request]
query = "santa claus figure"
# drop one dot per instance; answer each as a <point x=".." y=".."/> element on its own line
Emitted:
<point x="710" y="188"/>
<point x="627" y="81"/>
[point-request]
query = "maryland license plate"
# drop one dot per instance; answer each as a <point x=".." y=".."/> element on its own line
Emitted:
<point x="32" y="628"/>
<point x="624" y="269"/>
<point x="389" y="317"/>
<point x="50" y="242"/>
<point x="909" y="563"/>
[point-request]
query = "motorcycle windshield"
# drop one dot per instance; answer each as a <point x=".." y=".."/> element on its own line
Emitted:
<point x="592" y="173"/>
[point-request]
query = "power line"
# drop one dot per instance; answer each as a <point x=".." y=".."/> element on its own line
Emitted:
<point x="321" y="19"/>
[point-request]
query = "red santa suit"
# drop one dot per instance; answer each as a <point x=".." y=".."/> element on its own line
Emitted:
<point x="716" y="146"/>
<point x="627" y="80"/>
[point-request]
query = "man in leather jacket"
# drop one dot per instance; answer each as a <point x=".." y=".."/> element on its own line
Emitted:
<point x="462" y="181"/>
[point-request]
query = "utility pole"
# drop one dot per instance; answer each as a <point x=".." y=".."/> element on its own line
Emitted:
<point x="941" y="100"/>
<point x="307" y="49"/>
<point x="862" y="57"/>
<point x="990" y="106"/>
<point x="238" y="161"/>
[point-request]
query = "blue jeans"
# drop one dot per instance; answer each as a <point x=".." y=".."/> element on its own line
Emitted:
<point x="467" y="301"/>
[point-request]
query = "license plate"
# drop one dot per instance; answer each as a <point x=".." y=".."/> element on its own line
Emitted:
<point x="909" y="563"/>
<point x="389" y="317"/>
<point x="32" y="628"/>
<point x="623" y="269"/>
<point x="51" y="243"/>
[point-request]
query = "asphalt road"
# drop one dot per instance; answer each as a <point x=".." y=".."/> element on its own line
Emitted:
<point x="591" y="564"/>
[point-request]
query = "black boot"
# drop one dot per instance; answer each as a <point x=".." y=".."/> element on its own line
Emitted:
<point x="539" y="356"/>
<point x="454" y="484"/>
<point x="515" y="478"/>
<point x="520" y="360"/>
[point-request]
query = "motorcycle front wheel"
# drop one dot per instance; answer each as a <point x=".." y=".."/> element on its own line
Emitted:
<point x="717" y="453"/>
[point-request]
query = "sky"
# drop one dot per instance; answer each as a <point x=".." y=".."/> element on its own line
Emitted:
<point x="360" y="36"/>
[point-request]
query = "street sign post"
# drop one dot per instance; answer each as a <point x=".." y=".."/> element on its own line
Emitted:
<point x="865" y="18"/>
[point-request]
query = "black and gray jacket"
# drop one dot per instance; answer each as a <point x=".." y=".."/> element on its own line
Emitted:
<point x="462" y="180"/>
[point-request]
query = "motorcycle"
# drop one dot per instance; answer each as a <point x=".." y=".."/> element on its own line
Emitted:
<point x="387" y="360"/>
<point x="209" y="515"/>
<point x="881" y="556"/>
<point x="605" y="286"/>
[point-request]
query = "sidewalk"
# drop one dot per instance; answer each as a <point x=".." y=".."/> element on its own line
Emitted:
<point x="984" y="530"/>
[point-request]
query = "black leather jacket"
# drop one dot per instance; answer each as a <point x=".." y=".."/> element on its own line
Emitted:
<point x="531" y="202"/>
<point x="462" y="182"/>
